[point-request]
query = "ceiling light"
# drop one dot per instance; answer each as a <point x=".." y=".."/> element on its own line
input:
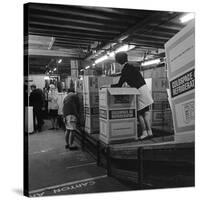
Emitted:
<point x="87" y="67"/>
<point x="46" y="78"/>
<point x="60" y="61"/>
<point x="151" y="62"/>
<point x="82" y="70"/>
<point x="54" y="69"/>
<point x="101" y="59"/>
<point x="187" y="17"/>
<point x="123" y="37"/>
<point x="125" y="47"/>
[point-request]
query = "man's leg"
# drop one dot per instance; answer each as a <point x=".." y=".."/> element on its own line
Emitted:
<point x="147" y="123"/>
<point x="143" y="126"/>
<point x="67" y="132"/>
<point x="39" y="119"/>
<point x="71" y="138"/>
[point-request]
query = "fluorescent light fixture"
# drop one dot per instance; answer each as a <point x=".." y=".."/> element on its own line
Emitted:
<point x="101" y="59"/>
<point x="187" y="17"/>
<point x="87" y="67"/>
<point x="54" y="69"/>
<point x="46" y="78"/>
<point x="60" y="61"/>
<point x="82" y="70"/>
<point x="151" y="62"/>
<point x="125" y="47"/>
<point x="112" y="54"/>
<point x="51" y="43"/>
<point x="123" y="37"/>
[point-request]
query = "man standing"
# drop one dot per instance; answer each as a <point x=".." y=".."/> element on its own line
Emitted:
<point x="71" y="113"/>
<point x="36" y="100"/>
<point x="133" y="78"/>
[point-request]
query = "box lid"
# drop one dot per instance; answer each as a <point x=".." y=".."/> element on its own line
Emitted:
<point x="123" y="91"/>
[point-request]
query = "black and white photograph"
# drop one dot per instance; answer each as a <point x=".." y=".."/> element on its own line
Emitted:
<point x="109" y="99"/>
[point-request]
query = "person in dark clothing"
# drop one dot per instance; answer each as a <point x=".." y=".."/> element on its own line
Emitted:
<point x="133" y="78"/>
<point x="71" y="109"/>
<point x="36" y="99"/>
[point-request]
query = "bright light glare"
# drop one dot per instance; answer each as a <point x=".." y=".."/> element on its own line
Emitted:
<point x="101" y="59"/>
<point x="54" y="69"/>
<point x="46" y="78"/>
<point x="125" y="47"/>
<point x="187" y="17"/>
<point x="151" y="62"/>
<point x="87" y="67"/>
<point x="60" y="61"/>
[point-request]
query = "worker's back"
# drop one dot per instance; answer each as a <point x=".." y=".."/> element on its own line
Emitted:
<point x="71" y="105"/>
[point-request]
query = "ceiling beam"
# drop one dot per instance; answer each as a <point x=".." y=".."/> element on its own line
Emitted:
<point x="76" y="28"/>
<point x="76" y="22"/>
<point x="149" y="36"/>
<point x="75" y="10"/>
<point x="39" y="52"/>
<point x="66" y="36"/>
<point x="70" y="31"/>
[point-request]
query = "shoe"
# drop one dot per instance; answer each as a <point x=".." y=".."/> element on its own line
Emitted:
<point x="66" y="146"/>
<point x="144" y="135"/>
<point x="150" y="133"/>
<point x="73" y="148"/>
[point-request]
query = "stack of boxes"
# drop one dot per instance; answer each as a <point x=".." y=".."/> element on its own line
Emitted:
<point x="79" y="91"/>
<point x="118" y="114"/>
<point x="161" y="113"/>
<point x="157" y="82"/>
<point x="91" y="85"/>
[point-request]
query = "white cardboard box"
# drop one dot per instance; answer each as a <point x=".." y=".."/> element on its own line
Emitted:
<point x="93" y="83"/>
<point x="92" y="124"/>
<point x="78" y="86"/>
<point x="118" y="114"/>
<point x="29" y="125"/>
<point x="180" y="59"/>
<point x="91" y="99"/>
<point x="117" y="97"/>
<point x="159" y="84"/>
<point x="118" y="130"/>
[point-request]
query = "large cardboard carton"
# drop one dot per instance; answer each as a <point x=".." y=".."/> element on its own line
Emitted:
<point x="118" y="114"/>
<point x="160" y="95"/>
<point x="91" y="99"/>
<point x="91" y="124"/>
<point x="93" y="83"/>
<point x="117" y="98"/>
<point x="159" y="84"/>
<point x="180" y="58"/>
<point x="78" y="86"/>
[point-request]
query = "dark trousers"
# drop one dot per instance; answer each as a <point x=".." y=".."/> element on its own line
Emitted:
<point x="37" y="115"/>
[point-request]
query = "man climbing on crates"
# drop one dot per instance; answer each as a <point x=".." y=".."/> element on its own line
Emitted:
<point x="71" y="113"/>
<point x="133" y="78"/>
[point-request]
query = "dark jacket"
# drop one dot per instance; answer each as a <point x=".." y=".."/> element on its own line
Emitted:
<point x="36" y="98"/>
<point x="71" y="105"/>
<point x="131" y="76"/>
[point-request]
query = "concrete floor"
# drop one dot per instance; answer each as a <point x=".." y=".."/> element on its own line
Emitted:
<point x="53" y="170"/>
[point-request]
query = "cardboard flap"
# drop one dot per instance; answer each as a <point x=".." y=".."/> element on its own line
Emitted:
<point x="123" y="91"/>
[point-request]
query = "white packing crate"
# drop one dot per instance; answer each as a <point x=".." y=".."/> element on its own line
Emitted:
<point x="118" y="114"/>
<point x="91" y="124"/>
